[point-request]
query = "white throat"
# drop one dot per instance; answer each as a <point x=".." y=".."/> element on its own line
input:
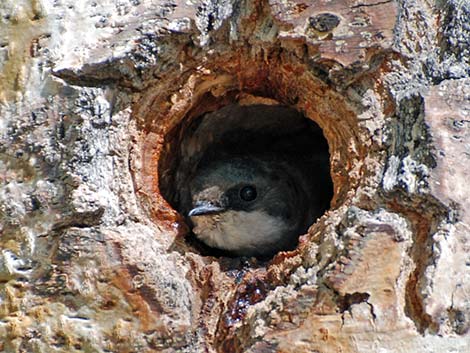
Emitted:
<point x="239" y="231"/>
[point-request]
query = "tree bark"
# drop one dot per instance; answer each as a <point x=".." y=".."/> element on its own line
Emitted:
<point x="94" y="97"/>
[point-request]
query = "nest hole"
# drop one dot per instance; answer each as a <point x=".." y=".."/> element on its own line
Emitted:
<point x="278" y="137"/>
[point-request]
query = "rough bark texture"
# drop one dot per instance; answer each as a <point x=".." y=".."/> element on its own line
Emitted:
<point x="93" y="98"/>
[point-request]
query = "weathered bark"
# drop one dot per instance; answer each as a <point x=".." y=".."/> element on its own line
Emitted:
<point x="94" y="98"/>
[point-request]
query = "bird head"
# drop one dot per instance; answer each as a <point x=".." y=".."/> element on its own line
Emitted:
<point x="248" y="206"/>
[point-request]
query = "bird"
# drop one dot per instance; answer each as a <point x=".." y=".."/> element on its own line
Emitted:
<point x="250" y="206"/>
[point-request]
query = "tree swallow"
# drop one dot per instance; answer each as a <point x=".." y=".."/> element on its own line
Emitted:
<point x="250" y="206"/>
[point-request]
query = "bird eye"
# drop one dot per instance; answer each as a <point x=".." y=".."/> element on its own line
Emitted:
<point x="248" y="193"/>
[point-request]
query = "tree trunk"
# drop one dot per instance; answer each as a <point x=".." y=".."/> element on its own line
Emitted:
<point x="96" y="99"/>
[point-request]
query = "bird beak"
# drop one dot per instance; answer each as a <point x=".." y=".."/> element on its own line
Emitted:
<point x="205" y="208"/>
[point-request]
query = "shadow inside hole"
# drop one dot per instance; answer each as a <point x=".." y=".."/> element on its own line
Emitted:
<point x="276" y="135"/>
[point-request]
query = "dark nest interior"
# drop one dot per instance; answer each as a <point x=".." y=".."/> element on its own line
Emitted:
<point x="271" y="132"/>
